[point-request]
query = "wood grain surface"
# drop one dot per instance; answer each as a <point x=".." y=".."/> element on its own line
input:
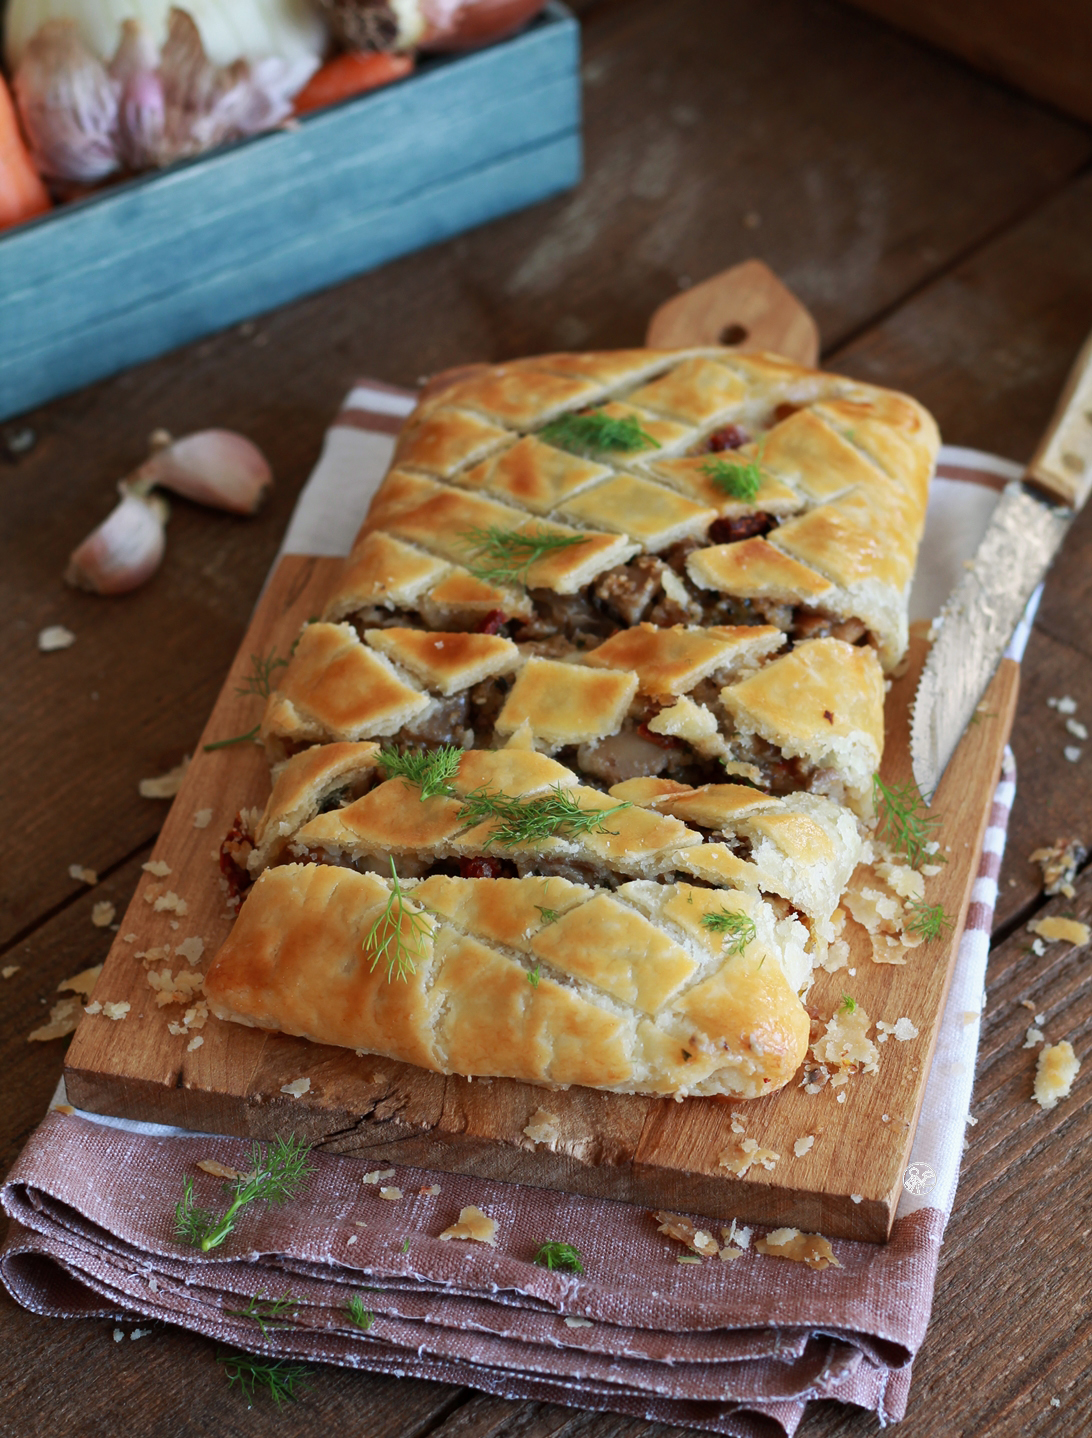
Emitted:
<point x="936" y="225"/>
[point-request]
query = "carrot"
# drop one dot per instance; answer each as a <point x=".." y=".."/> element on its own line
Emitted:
<point x="22" y="194"/>
<point x="351" y="74"/>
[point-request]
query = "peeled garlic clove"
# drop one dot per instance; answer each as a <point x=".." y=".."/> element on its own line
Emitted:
<point x="213" y="466"/>
<point x="68" y="105"/>
<point x="124" y="551"/>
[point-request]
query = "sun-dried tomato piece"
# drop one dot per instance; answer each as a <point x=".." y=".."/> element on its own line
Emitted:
<point x="729" y="436"/>
<point x="493" y="622"/>
<point x="483" y="867"/>
<point x="745" y="526"/>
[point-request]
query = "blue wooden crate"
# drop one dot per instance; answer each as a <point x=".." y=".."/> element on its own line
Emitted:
<point x="165" y="258"/>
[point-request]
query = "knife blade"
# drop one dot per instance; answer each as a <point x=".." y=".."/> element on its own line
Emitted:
<point x="1025" y="532"/>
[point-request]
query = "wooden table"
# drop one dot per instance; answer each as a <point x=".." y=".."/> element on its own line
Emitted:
<point x="937" y="225"/>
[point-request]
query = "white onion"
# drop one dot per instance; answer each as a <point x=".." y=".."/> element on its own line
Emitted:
<point x="230" y="29"/>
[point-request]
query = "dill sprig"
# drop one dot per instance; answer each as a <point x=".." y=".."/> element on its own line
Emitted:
<point x="560" y="1255"/>
<point x="597" y="433"/>
<point x="738" y="927"/>
<point x="265" y="1311"/>
<point x="904" y="820"/>
<point x="359" y="1316"/>
<point x="386" y="936"/>
<point x="742" y="481"/>
<point x="278" y="1170"/>
<point x="848" y="1004"/>
<point x="278" y="1376"/>
<point x="929" y="920"/>
<point x="529" y="821"/>
<point x="506" y="555"/>
<point x="431" y="771"/>
<point x="533" y="975"/>
<point x="263" y="667"/>
<point x="549" y="916"/>
<point x="258" y="682"/>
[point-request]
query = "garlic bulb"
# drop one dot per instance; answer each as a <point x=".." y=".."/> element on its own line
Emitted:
<point x="290" y="30"/>
<point x="426" y="24"/>
<point x="149" y="107"/>
<point x="125" y="550"/>
<point x="214" y="467"/>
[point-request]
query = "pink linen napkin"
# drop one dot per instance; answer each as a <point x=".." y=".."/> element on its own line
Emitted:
<point x="734" y="1348"/>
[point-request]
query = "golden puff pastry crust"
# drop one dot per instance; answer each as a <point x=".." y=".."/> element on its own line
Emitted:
<point x="533" y="979"/>
<point x="817" y="480"/>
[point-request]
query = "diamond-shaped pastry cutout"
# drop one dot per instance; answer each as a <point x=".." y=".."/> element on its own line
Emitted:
<point x="567" y="703"/>
<point x="650" y="514"/>
<point x="754" y="569"/>
<point x="536" y="475"/>
<point x="523" y="399"/>
<point x="446" y="662"/>
<point x="694" y="476"/>
<point x="698" y="391"/>
<point x="383" y="570"/>
<point x="672" y="661"/>
<point x="449" y="440"/>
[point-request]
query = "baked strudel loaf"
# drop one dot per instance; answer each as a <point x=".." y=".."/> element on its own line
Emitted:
<point x="616" y="624"/>
<point x="537" y="978"/>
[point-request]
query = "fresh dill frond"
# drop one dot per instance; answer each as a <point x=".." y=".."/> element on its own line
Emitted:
<point x="281" y="1379"/>
<point x="258" y="682"/>
<point x="504" y="556"/>
<point x="549" y="916"/>
<point x="560" y="1255"/>
<point x="238" y="739"/>
<point x="528" y="821"/>
<point x="597" y="433"/>
<point x="359" y="1316"/>
<point x="929" y="920"/>
<point x="278" y="1171"/>
<point x="431" y="771"/>
<point x="533" y="975"/>
<point x="265" y="1311"/>
<point x="848" y="1004"/>
<point x="904" y="820"/>
<point x="742" y="481"/>
<point x="386" y="937"/>
<point x="405" y="1246"/>
<point x="263" y="668"/>
<point x="737" y="927"/>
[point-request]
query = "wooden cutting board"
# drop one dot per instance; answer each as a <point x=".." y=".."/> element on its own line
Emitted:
<point x="650" y="1151"/>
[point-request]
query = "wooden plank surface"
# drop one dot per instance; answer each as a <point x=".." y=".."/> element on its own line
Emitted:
<point x="945" y="176"/>
<point x="625" y="1147"/>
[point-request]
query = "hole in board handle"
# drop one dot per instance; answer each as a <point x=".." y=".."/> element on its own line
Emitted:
<point x="734" y="334"/>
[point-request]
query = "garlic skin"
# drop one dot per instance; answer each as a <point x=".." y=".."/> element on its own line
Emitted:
<point x="426" y="24"/>
<point x="215" y="467"/>
<point x="149" y="107"/>
<point x="230" y="29"/>
<point x="125" y="550"/>
<point x="68" y="106"/>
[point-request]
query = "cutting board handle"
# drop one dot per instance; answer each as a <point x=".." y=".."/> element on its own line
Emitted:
<point x="1062" y="464"/>
<point x="747" y="307"/>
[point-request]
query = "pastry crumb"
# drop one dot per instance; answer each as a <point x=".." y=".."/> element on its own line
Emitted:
<point x="1072" y="752"/>
<point x="1053" y="929"/>
<point x="1076" y="728"/>
<point x="219" y="1170"/>
<point x="745" y="1155"/>
<point x="473" y="1225"/>
<point x="390" y="1193"/>
<point x="810" y="1248"/>
<point x="376" y="1174"/>
<point x="54" y="637"/>
<point x="856" y="1197"/>
<point x="572" y="1322"/>
<point x="102" y="914"/>
<point x="202" y="818"/>
<point x="191" y="949"/>
<point x="735" y="1236"/>
<point x="82" y="875"/>
<point x="1032" y="1037"/>
<point x="9" y="969"/>
<point x="165" y="786"/>
<point x="803" y="1145"/>
<point x="158" y="867"/>
<point x="543" y="1127"/>
<point x="1059" y="863"/>
<point x="1055" y="1070"/>
<point x="116" y="1011"/>
<point x="81" y="983"/>
<point x="170" y="903"/>
<point x="195" y="1043"/>
<point x="684" y="1230"/>
<point x="297" y="1088"/>
<point x="63" y="1018"/>
<point x="429" y="1190"/>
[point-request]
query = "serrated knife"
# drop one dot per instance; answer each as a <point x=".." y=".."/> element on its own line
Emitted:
<point x="1025" y="532"/>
